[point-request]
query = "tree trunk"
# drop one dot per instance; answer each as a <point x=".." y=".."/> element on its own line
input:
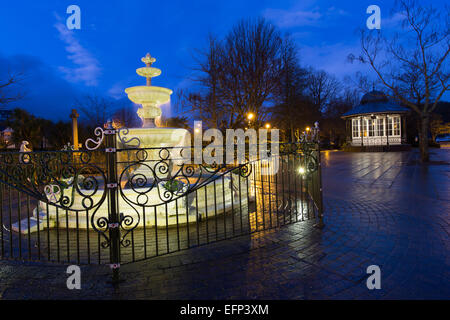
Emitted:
<point x="292" y="132"/>
<point x="423" y="142"/>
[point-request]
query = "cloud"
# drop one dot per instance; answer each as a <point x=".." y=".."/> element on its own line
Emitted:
<point x="292" y="18"/>
<point x="394" y="21"/>
<point x="117" y="91"/>
<point x="337" y="11"/>
<point x="302" y="15"/>
<point x="87" y="69"/>
<point x="47" y="95"/>
<point x="332" y="58"/>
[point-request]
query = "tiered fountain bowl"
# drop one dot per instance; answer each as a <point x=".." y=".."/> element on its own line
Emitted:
<point x="151" y="98"/>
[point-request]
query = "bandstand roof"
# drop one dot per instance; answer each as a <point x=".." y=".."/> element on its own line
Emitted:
<point x="375" y="102"/>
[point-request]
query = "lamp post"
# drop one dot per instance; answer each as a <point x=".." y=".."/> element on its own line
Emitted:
<point x="250" y="116"/>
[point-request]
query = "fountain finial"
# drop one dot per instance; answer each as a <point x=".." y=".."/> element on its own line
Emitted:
<point x="148" y="60"/>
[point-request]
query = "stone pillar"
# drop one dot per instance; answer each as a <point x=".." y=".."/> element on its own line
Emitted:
<point x="74" y="115"/>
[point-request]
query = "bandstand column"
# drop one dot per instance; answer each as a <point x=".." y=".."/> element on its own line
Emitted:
<point x="387" y="130"/>
<point x="361" y="131"/>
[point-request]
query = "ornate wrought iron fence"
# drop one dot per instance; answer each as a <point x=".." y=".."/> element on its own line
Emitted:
<point x="116" y="206"/>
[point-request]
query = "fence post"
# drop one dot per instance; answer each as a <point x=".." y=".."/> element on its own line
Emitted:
<point x="113" y="214"/>
<point x="320" y="224"/>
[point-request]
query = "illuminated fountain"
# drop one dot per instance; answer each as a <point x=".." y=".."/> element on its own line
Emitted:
<point x="149" y="136"/>
<point x="151" y="176"/>
<point x="151" y="98"/>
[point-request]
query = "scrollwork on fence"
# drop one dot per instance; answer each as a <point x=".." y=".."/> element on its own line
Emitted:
<point x="158" y="180"/>
<point x="128" y="142"/>
<point x="78" y="180"/>
<point x="66" y="179"/>
<point x="100" y="133"/>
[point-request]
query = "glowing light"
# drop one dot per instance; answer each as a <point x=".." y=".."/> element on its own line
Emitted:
<point x="267" y="125"/>
<point x="250" y="116"/>
<point x="301" y="170"/>
<point x="150" y="97"/>
<point x="197" y="130"/>
<point x="308" y="128"/>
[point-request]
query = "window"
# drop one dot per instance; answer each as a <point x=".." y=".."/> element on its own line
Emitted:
<point x="364" y="128"/>
<point x="371" y="125"/>
<point x="380" y="127"/>
<point x="355" y="128"/>
<point x="396" y="126"/>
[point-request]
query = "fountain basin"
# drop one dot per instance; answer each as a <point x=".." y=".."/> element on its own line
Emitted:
<point x="148" y="72"/>
<point x="151" y="95"/>
<point x="201" y="204"/>
<point x="157" y="137"/>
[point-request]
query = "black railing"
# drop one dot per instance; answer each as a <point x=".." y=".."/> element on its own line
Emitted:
<point x="117" y="206"/>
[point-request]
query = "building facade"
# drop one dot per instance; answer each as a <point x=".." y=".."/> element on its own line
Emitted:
<point x="376" y="121"/>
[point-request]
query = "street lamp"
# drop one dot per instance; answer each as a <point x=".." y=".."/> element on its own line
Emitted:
<point x="250" y="116"/>
<point x="267" y="126"/>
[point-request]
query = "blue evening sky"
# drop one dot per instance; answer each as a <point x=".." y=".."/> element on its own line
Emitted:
<point x="101" y="58"/>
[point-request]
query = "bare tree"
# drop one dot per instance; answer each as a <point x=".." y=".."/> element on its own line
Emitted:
<point x="95" y="109"/>
<point x="289" y="112"/>
<point x="239" y="74"/>
<point x="126" y="117"/>
<point x="322" y="88"/>
<point x="6" y="96"/>
<point x="332" y="125"/>
<point x="342" y="103"/>
<point x="413" y="63"/>
<point x="207" y="102"/>
<point x="174" y="122"/>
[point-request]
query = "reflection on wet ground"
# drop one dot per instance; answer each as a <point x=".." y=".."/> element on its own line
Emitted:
<point x="385" y="209"/>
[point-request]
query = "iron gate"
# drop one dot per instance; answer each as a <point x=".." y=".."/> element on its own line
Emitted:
<point x="110" y="205"/>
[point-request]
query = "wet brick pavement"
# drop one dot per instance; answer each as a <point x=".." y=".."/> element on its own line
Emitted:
<point x="381" y="208"/>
